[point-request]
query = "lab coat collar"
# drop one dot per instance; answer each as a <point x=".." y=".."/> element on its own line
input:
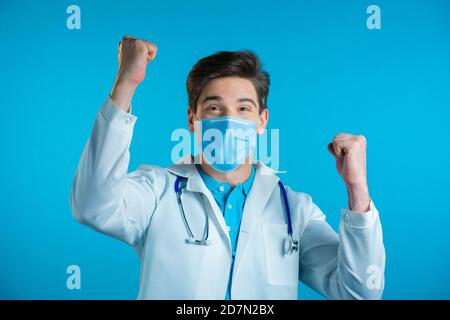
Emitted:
<point x="186" y="168"/>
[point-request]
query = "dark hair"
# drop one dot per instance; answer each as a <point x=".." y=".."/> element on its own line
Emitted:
<point x="243" y="64"/>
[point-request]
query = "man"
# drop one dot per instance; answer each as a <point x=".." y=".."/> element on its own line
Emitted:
<point x="243" y="241"/>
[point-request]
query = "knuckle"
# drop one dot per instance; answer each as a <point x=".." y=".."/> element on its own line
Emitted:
<point x="152" y="46"/>
<point x="360" y="140"/>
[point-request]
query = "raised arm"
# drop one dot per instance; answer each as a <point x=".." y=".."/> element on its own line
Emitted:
<point x="104" y="195"/>
<point x="348" y="265"/>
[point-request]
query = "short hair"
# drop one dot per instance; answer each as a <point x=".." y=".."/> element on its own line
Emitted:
<point x="243" y="64"/>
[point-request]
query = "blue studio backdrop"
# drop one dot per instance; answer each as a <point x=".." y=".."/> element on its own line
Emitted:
<point x="330" y="73"/>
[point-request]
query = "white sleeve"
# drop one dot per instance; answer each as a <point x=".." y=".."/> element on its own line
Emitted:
<point x="104" y="196"/>
<point x="348" y="265"/>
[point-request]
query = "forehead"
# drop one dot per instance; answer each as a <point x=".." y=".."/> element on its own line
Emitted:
<point x="229" y="87"/>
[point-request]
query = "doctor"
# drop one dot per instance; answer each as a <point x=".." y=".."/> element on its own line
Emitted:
<point x="224" y="230"/>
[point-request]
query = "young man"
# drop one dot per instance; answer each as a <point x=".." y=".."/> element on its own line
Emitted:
<point x="224" y="230"/>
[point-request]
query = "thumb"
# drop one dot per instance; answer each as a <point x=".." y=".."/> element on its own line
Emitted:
<point x="152" y="49"/>
<point x="331" y="149"/>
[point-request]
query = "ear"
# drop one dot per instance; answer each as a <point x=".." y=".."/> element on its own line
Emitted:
<point x="191" y="120"/>
<point x="263" y="120"/>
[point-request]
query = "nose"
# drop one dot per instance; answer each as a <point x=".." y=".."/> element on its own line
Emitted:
<point x="231" y="112"/>
<point x="228" y="113"/>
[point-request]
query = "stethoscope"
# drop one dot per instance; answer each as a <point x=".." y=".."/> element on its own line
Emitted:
<point x="290" y="244"/>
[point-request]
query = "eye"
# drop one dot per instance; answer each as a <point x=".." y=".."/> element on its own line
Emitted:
<point x="245" y="108"/>
<point x="213" y="107"/>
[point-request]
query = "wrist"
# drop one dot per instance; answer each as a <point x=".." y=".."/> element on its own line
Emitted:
<point x="358" y="197"/>
<point x="124" y="81"/>
<point x="122" y="93"/>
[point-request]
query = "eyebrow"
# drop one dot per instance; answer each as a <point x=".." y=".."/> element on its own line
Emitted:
<point x="219" y="98"/>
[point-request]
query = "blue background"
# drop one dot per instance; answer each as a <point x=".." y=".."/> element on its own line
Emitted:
<point x="329" y="73"/>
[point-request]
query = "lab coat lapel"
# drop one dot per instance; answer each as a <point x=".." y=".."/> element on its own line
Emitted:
<point x="195" y="184"/>
<point x="263" y="185"/>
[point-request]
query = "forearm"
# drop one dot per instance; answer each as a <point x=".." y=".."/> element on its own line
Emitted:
<point x="122" y="93"/>
<point x="361" y="255"/>
<point x="348" y="265"/>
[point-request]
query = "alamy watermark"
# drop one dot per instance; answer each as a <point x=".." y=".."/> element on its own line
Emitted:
<point x="73" y="21"/>
<point x="226" y="148"/>
<point x="373" y="22"/>
<point x="375" y="278"/>
<point x="73" y="281"/>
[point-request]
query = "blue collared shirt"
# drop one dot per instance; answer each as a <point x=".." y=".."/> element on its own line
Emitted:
<point x="231" y="203"/>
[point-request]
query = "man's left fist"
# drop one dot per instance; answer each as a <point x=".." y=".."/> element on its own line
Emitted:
<point x="350" y="153"/>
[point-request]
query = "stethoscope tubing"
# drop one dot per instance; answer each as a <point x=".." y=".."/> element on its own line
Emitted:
<point x="205" y="240"/>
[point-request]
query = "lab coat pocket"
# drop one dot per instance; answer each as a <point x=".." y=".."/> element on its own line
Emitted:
<point x="282" y="269"/>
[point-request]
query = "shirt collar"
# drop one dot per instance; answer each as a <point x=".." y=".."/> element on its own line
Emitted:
<point x="247" y="185"/>
<point x="264" y="175"/>
<point x="224" y="188"/>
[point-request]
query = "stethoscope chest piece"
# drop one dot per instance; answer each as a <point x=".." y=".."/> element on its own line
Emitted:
<point x="290" y="245"/>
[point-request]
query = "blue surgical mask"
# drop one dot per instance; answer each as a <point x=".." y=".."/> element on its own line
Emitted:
<point x="226" y="142"/>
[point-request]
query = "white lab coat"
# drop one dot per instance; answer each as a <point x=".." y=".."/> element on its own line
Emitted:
<point x="141" y="209"/>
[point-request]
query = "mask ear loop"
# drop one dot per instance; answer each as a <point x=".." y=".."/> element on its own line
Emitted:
<point x="258" y="122"/>
<point x="195" y="116"/>
<point x="198" y="120"/>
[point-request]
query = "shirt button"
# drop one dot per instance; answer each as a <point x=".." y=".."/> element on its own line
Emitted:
<point x="230" y="206"/>
<point x="347" y="217"/>
<point x="221" y="188"/>
<point x="127" y="120"/>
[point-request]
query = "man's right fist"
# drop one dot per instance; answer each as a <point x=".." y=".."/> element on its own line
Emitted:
<point x="134" y="54"/>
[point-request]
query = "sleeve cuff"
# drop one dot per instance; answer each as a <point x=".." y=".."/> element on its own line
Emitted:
<point x="116" y="116"/>
<point x="360" y="219"/>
